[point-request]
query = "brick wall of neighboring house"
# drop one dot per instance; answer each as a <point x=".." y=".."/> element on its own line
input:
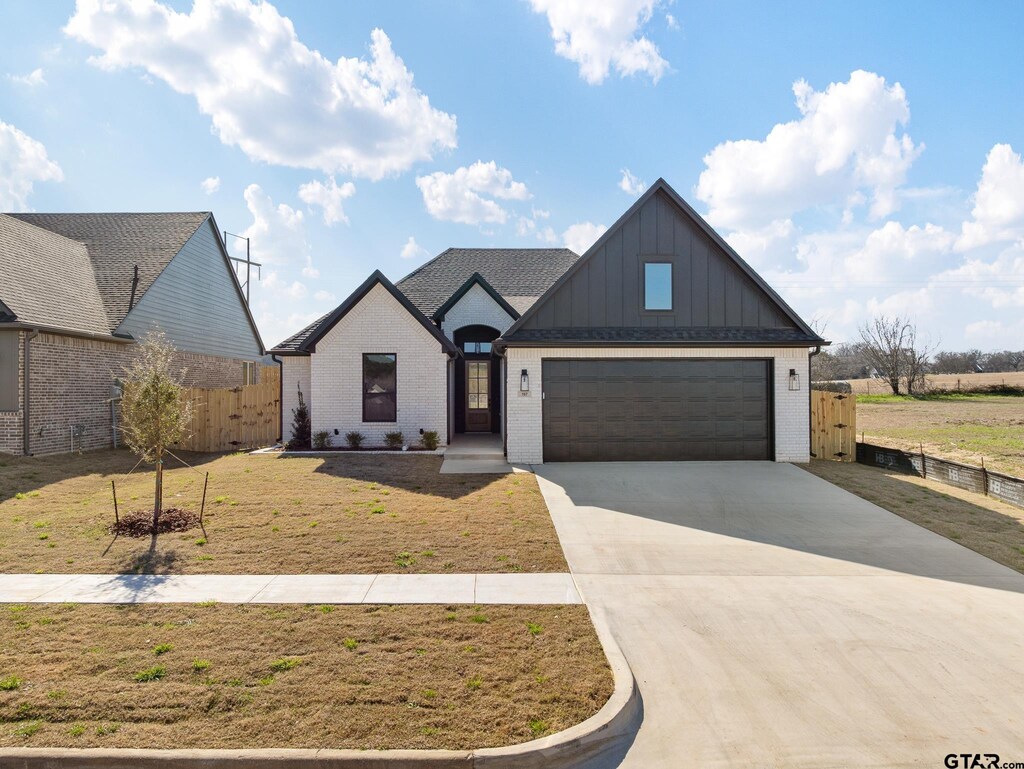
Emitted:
<point x="295" y="376"/>
<point x="71" y="384"/>
<point x="476" y="307"/>
<point x="10" y="421"/>
<point x="379" y="324"/>
<point x="525" y="412"/>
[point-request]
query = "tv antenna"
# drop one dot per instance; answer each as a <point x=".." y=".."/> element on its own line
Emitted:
<point x="248" y="262"/>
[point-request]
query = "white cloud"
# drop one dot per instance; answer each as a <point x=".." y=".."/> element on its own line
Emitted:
<point x="998" y="213"/>
<point x="23" y="162"/>
<point x="582" y="235"/>
<point x="325" y="296"/>
<point x="277" y="233"/>
<point x="848" y="140"/>
<point x="470" y="194"/>
<point x="267" y="92"/>
<point x="329" y="197"/>
<point x="631" y="184"/>
<point x="33" y="79"/>
<point x="599" y="36"/>
<point x="999" y="282"/>
<point x="413" y="250"/>
<point x="210" y="184"/>
<point x="531" y="225"/>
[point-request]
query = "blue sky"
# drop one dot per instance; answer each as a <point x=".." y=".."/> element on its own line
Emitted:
<point x="865" y="158"/>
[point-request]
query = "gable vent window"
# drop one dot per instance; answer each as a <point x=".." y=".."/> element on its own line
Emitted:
<point x="657" y="286"/>
<point x="380" y="379"/>
<point x="476" y="347"/>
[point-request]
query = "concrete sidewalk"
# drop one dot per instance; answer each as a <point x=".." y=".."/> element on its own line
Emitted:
<point x="544" y="588"/>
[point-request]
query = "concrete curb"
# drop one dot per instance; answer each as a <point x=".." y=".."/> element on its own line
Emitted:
<point x="602" y="733"/>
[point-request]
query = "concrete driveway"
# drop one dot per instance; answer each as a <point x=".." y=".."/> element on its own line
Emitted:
<point x="774" y="620"/>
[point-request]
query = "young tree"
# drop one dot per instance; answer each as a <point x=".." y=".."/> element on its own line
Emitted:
<point x="301" y="428"/>
<point x="153" y="416"/>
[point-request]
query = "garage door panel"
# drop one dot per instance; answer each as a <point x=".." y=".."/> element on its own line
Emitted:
<point x="656" y="409"/>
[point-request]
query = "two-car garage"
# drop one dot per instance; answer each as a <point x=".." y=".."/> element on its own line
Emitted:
<point x="605" y="410"/>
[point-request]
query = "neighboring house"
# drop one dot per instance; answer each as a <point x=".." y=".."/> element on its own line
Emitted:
<point x="77" y="291"/>
<point x="660" y="342"/>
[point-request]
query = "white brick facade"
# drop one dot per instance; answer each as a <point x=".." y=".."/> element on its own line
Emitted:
<point x="378" y="324"/>
<point x="525" y="415"/>
<point x="476" y="307"/>
<point x="295" y="376"/>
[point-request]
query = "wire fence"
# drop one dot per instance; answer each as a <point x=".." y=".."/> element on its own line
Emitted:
<point x="980" y="480"/>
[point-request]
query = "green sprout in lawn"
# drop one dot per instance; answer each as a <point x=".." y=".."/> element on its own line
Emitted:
<point x="57" y="694"/>
<point x="474" y="683"/>
<point x="326" y="608"/>
<point x="285" y="663"/>
<point x="404" y="559"/>
<point x="429" y="694"/>
<point x="350" y="644"/>
<point x="28" y="729"/>
<point x="427" y="553"/>
<point x="154" y="673"/>
<point x="220" y="500"/>
<point x="313" y="524"/>
<point x="480" y="619"/>
<point x="10" y="683"/>
<point x="267" y="680"/>
<point x="206" y="604"/>
<point x="534" y="629"/>
<point x="77" y="730"/>
<point x="104" y="729"/>
<point x="161" y="649"/>
<point x="538" y="727"/>
<point x="198" y="666"/>
<point x="201" y="541"/>
<point x="44" y="536"/>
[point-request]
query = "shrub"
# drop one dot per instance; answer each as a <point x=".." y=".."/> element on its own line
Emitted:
<point x="321" y="440"/>
<point x="300" y="425"/>
<point x="394" y="440"/>
<point x="354" y="439"/>
<point x="430" y="439"/>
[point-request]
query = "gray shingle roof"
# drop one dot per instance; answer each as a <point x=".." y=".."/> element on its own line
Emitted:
<point x="520" y="273"/>
<point x="47" y="279"/>
<point x="117" y="242"/>
<point x="635" y="335"/>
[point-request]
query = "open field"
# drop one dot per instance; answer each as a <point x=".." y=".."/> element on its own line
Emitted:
<point x="983" y="524"/>
<point x="943" y="382"/>
<point x="295" y="676"/>
<point x="276" y="515"/>
<point x="965" y="428"/>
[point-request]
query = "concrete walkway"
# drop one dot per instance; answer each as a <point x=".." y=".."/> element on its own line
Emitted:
<point x="544" y="588"/>
<point x="774" y="620"/>
<point x="476" y="454"/>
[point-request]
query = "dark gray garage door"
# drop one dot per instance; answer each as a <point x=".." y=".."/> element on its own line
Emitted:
<point x="634" y="410"/>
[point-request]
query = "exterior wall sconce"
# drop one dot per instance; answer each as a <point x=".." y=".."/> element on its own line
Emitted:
<point x="524" y="382"/>
<point x="794" y="379"/>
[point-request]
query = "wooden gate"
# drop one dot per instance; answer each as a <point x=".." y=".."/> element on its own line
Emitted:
<point x="224" y="419"/>
<point x="833" y="426"/>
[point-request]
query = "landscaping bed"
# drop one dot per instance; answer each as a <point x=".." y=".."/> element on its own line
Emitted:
<point x="269" y="514"/>
<point x="365" y="677"/>
<point x="983" y="524"/>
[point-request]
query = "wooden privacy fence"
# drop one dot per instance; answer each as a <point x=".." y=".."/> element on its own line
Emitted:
<point x="833" y="425"/>
<point x="244" y="417"/>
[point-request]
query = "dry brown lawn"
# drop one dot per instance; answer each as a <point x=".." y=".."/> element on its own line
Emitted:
<point x="985" y="525"/>
<point x="295" y="676"/>
<point x="944" y="382"/>
<point x="285" y="515"/>
<point x="962" y="428"/>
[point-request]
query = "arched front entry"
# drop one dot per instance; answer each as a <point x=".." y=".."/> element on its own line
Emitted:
<point x="477" y="401"/>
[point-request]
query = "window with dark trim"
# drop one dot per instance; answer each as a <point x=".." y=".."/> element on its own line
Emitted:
<point x="657" y="286"/>
<point x="10" y="343"/>
<point x="380" y="380"/>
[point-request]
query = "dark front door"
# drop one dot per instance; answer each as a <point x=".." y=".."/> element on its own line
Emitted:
<point x="615" y="410"/>
<point x="478" y="396"/>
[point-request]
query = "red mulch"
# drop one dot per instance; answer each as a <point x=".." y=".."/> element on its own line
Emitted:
<point x="139" y="523"/>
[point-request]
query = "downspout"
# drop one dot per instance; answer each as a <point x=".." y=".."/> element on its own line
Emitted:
<point x="500" y="352"/>
<point x="26" y="391"/>
<point x="135" y="285"/>
<point x="810" y="389"/>
<point x="280" y="397"/>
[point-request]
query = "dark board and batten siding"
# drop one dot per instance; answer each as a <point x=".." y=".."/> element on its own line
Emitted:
<point x="194" y="301"/>
<point x="709" y="288"/>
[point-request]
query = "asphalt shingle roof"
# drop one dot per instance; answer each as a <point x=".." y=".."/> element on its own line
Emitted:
<point x="663" y="334"/>
<point x="47" y="279"/>
<point x="522" y="274"/>
<point x="117" y="242"/>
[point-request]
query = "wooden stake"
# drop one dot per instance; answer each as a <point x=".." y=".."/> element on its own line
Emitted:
<point x="202" y="507"/>
<point x="113" y="488"/>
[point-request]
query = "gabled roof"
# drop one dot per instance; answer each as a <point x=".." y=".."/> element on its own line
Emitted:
<point x="47" y="280"/>
<point x="475" y="279"/>
<point x="519" y="275"/>
<point x="516" y="334"/>
<point x="305" y="341"/>
<point x="116" y="242"/>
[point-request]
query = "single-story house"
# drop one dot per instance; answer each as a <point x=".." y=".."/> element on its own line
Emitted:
<point x="658" y="343"/>
<point x="77" y="291"/>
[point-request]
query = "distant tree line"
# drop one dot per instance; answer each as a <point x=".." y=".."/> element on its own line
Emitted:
<point x="891" y="349"/>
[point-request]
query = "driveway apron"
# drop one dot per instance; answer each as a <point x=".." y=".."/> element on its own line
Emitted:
<point x="774" y="620"/>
